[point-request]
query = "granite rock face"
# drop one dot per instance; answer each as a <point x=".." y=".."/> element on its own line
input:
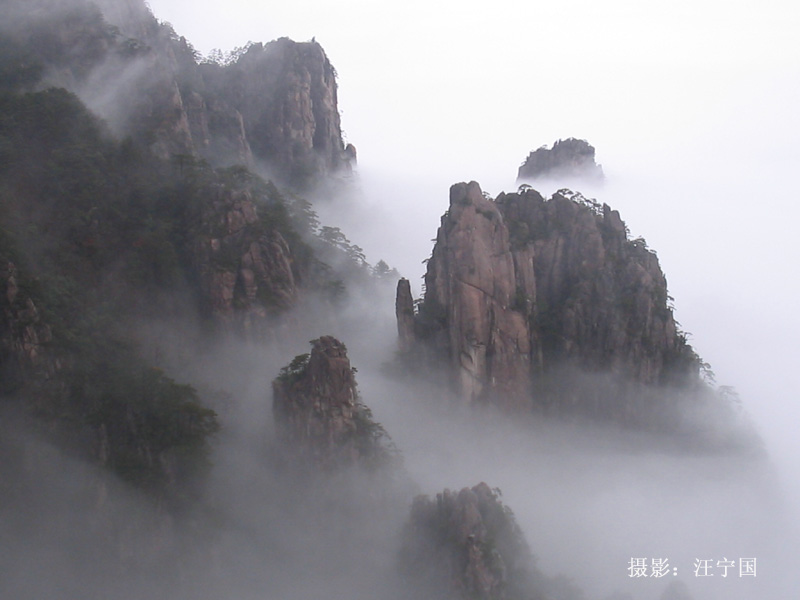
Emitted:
<point x="270" y="108"/>
<point x="246" y="269"/>
<point x="218" y="131"/>
<point x="24" y="335"/>
<point x="287" y="94"/>
<point x="404" y="311"/>
<point x="471" y="286"/>
<point x="320" y="418"/>
<point x="520" y="290"/>
<point x="569" y="160"/>
<point x="273" y="106"/>
<point x="466" y="545"/>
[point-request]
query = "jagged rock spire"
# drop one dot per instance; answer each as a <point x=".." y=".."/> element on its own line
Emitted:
<point x="320" y="418"/>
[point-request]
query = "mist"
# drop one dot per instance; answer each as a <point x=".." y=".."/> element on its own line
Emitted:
<point x="692" y="110"/>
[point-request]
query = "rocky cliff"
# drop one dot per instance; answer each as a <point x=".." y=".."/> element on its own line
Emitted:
<point x="99" y="233"/>
<point x="273" y="106"/>
<point x="320" y="418"/>
<point x="520" y="291"/>
<point x="287" y="95"/>
<point x="246" y="269"/>
<point x="24" y="335"/>
<point x="111" y="228"/>
<point x="404" y="313"/>
<point x="466" y="545"/>
<point x="470" y="309"/>
<point x="568" y="161"/>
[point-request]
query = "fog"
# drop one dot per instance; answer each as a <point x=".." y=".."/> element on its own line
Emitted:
<point x="692" y="109"/>
<point x="588" y="497"/>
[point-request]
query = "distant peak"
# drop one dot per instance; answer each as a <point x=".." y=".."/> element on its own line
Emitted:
<point x="569" y="159"/>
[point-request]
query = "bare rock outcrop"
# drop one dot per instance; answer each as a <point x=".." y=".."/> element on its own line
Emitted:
<point x="24" y="334"/>
<point x="320" y="418"/>
<point x="568" y="160"/>
<point x="271" y="105"/>
<point x="521" y="291"/>
<point x="466" y="545"/>
<point x="225" y="138"/>
<point x="247" y="272"/>
<point x="472" y="285"/>
<point x="287" y="94"/>
<point x="404" y="311"/>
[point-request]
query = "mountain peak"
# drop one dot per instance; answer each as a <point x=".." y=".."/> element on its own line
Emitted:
<point x="568" y="160"/>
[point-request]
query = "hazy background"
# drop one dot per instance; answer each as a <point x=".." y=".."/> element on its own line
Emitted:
<point x="692" y="107"/>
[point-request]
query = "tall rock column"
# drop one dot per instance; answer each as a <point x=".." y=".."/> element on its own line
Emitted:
<point x="404" y="311"/>
<point x="472" y="292"/>
<point x="320" y="418"/>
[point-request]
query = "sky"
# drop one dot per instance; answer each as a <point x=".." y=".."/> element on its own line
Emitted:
<point x="691" y="105"/>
